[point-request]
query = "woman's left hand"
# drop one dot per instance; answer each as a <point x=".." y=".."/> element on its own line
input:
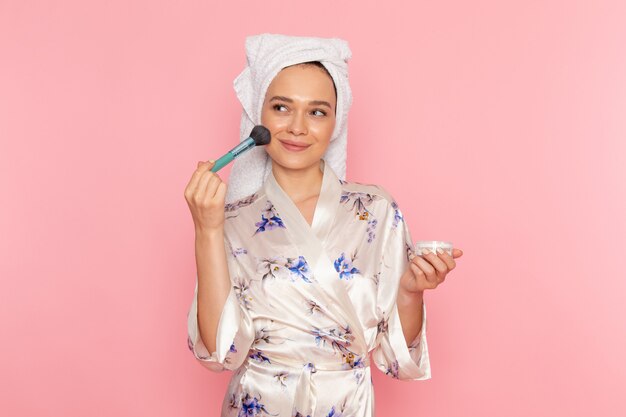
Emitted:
<point x="427" y="271"/>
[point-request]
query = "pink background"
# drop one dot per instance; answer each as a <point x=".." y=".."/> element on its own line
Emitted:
<point x="500" y="126"/>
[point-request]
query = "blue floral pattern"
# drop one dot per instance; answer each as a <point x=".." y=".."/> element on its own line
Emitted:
<point x="397" y="216"/>
<point x="242" y="288"/>
<point x="300" y="268"/>
<point x="339" y="338"/>
<point x="275" y="281"/>
<point x="257" y="355"/>
<point x="269" y="219"/>
<point x="345" y="268"/>
<point x="251" y="406"/>
<point x="334" y="412"/>
<point x="371" y="226"/>
<point x="393" y="370"/>
<point x="296" y="268"/>
<point x="358" y="202"/>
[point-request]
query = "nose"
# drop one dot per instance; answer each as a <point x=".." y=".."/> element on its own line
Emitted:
<point x="298" y="125"/>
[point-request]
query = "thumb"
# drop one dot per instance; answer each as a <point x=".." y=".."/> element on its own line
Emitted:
<point x="210" y="162"/>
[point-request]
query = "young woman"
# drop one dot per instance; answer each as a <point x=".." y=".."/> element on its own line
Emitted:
<point x="299" y="281"/>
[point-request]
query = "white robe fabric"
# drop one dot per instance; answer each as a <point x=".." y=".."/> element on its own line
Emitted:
<point x="309" y="304"/>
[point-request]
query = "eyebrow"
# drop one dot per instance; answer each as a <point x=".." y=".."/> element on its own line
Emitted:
<point x="312" y="102"/>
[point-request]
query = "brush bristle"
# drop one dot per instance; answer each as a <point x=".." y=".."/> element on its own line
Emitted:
<point x="261" y="135"/>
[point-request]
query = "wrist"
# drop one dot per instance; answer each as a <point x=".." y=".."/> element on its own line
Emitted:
<point x="209" y="234"/>
<point x="409" y="298"/>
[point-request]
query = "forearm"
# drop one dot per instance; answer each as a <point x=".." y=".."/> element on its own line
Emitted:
<point x="410" y="307"/>
<point x="213" y="283"/>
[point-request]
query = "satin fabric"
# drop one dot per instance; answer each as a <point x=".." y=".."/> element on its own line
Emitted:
<point x="309" y="304"/>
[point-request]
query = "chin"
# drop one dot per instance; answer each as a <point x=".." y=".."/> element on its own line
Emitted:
<point x="295" y="162"/>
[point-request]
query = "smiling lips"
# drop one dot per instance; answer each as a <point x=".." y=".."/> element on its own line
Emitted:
<point x="293" y="146"/>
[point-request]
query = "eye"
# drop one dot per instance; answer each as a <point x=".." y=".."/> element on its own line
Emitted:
<point x="276" y="106"/>
<point x="321" y="111"/>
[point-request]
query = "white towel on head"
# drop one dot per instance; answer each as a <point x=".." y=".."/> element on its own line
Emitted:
<point x="266" y="55"/>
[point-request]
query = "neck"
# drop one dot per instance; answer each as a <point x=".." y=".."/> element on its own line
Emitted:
<point x="299" y="184"/>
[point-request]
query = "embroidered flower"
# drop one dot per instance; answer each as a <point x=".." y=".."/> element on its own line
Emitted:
<point x="344" y="267"/>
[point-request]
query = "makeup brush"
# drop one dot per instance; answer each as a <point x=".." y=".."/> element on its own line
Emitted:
<point x="260" y="135"/>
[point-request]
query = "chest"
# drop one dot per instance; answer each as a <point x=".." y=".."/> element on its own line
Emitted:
<point x="307" y="208"/>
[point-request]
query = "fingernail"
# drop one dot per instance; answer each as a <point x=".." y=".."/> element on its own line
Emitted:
<point x="439" y="251"/>
<point x="425" y="251"/>
<point x="211" y="161"/>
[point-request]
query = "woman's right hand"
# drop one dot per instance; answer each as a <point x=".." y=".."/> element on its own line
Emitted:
<point x="205" y="194"/>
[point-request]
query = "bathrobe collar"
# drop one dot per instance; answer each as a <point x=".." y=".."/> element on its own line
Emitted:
<point x="312" y="242"/>
<point x="325" y="208"/>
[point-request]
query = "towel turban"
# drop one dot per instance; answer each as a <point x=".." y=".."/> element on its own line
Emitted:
<point x="267" y="54"/>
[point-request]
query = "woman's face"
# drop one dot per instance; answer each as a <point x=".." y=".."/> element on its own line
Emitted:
<point x="299" y="111"/>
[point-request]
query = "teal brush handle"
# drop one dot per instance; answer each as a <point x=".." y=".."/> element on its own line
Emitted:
<point x="233" y="153"/>
<point x="222" y="162"/>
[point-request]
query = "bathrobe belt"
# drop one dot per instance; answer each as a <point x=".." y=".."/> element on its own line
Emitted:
<point x="305" y="392"/>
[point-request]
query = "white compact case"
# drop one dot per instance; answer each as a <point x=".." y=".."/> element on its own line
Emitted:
<point x="433" y="245"/>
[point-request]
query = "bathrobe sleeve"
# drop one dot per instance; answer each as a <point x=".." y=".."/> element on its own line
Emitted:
<point x="392" y="355"/>
<point x="235" y="331"/>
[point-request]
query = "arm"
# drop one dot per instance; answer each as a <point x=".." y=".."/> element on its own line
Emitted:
<point x="213" y="283"/>
<point x="216" y="315"/>
<point x="402" y="350"/>
<point x="410" y="311"/>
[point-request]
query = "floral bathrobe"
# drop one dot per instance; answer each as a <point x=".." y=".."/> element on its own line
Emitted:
<point x="309" y="303"/>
